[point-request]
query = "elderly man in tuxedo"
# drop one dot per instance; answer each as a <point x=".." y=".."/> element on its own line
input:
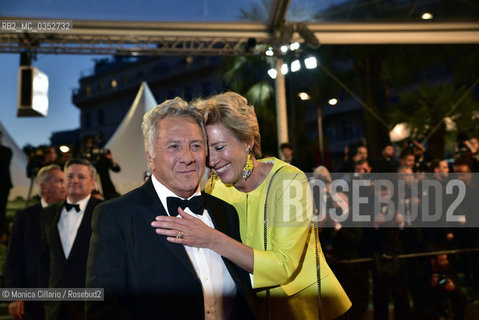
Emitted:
<point x="144" y="275"/>
<point x="66" y="231"/>
<point x="21" y="266"/>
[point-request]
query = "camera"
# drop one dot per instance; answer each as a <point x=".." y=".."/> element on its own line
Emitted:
<point x="35" y="162"/>
<point x="98" y="151"/>
<point x="442" y="280"/>
<point x="94" y="154"/>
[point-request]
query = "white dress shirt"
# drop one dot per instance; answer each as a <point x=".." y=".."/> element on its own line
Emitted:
<point x="219" y="288"/>
<point x="43" y="203"/>
<point x="69" y="223"/>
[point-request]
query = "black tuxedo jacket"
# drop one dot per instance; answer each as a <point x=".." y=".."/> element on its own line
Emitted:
<point x="144" y="275"/>
<point x="58" y="272"/>
<point x="21" y="266"/>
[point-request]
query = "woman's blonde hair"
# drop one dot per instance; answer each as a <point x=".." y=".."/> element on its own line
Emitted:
<point x="232" y="110"/>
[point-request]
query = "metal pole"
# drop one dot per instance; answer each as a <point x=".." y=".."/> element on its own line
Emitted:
<point x="320" y="133"/>
<point x="281" y="115"/>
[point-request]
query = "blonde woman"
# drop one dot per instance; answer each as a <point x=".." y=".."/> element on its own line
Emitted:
<point x="278" y="243"/>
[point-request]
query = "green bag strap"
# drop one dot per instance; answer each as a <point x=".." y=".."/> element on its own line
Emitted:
<point x="316" y="237"/>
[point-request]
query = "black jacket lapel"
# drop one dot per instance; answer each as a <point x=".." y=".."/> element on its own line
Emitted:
<point x="84" y="230"/>
<point x="56" y="241"/>
<point x="222" y="223"/>
<point x="219" y="218"/>
<point x="153" y="208"/>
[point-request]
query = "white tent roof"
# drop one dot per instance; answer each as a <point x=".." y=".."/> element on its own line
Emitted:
<point x="18" y="167"/>
<point x="127" y="145"/>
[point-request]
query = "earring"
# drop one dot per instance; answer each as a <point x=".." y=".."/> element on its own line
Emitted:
<point x="248" y="168"/>
<point x="213" y="177"/>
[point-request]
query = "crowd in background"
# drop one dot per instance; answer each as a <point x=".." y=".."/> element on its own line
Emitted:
<point x="90" y="150"/>
<point x="424" y="287"/>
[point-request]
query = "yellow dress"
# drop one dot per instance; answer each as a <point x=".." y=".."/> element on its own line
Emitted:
<point x="288" y="266"/>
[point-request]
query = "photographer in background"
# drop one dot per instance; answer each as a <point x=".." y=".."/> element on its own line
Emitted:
<point x="467" y="148"/>
<point x="472" y="152"/>
<point x="386" y="163"/>
<point x="443" y="297"/>
<point x="38" y="157"/>
<point x="103" y="161"/>
<point x="422" y="160"/>
<point x="36" y="160"/>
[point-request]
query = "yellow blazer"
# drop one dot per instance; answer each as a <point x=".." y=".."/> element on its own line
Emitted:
<point x="288" y="266"/>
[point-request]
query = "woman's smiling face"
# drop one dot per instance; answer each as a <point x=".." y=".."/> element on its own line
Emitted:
<point x="227" y="154"/>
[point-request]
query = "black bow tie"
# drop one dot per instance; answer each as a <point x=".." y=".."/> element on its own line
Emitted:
<point x="195" y="204"/>
<point x="69" y="206"/>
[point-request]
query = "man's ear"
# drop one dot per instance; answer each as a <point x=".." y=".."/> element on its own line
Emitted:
<point x="149" y="160"/>
<point x="94" y="183"/>
<point x="41" y="188"/>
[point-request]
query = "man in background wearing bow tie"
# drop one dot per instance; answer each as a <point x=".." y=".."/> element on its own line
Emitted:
<point x="66" y="231"/>
<point x="144" y="275"/>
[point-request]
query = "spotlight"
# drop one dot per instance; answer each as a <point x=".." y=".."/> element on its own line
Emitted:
<point x="294" y="46"/>
<point x="284" y="69"/>
<point x="304" y="96"/>
<point x="333" y="101"/>
<point x="400" y="132"/>
<point x="310" y="63"/>
<point x="272" y="73"/>
<point x="32" y="95"/>
<point x="64" y="149"/>
<point x="284" y="49"/>
<point x="295" y="66"/>
<point x="426" y="16"/>
<point x="269" y="52"/>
